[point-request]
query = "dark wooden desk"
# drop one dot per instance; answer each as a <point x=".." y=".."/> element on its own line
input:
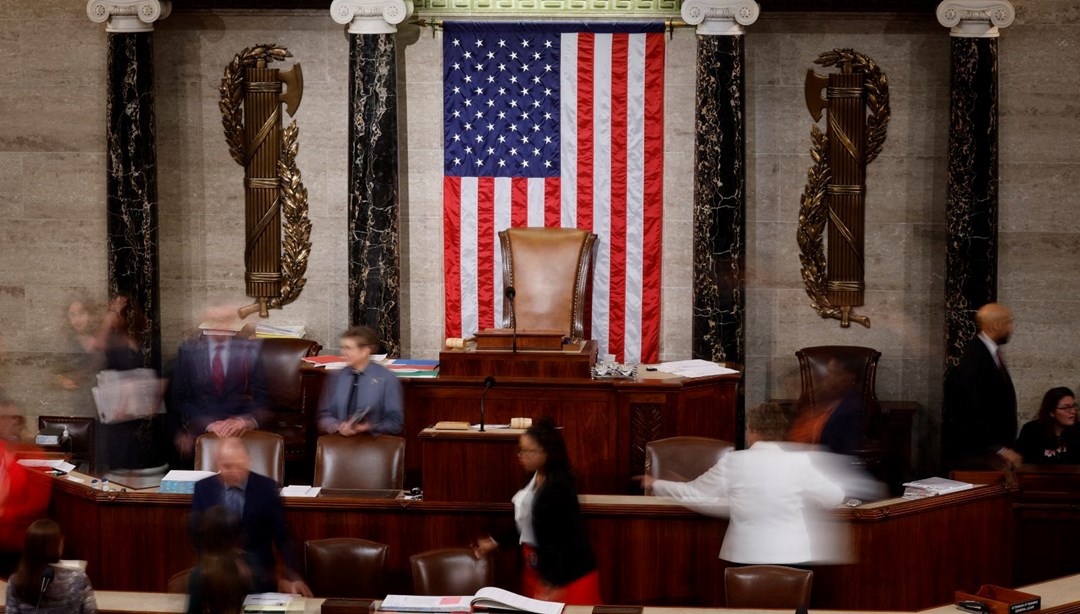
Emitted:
<point x="910" y="554"/>
<point x="607" y="423"/>
<point x="470" y="465"/>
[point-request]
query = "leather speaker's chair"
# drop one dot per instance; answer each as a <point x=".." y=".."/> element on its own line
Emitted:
<point x="360" y="462"/>
<point x="682" y="459"/>
<point x="282" y="359"/>
<point x="830" y="371"/>
<point x="346" y="567"/>
<point x="267" y="451"/>
<point x="773" y="587"/>
<point x="549" y="269"/>
<point x="450" y="571"/>
<point x="81" y="437"/>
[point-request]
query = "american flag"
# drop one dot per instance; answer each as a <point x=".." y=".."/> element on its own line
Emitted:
<point x="549" y="124"/>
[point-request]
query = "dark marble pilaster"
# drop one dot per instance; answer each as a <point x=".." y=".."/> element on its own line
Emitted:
<point x="132" y="199"/>
<point x="720" y="201"/>
<point x="374" y="265"/>
<point x="971" y="209"/>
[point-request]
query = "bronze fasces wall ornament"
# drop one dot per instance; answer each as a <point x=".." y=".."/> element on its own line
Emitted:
<point x="856" y="103"/>
<point x="277" y="225"/>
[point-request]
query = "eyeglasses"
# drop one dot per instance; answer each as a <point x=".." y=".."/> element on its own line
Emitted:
<point x="1072" y="407"/>
<point x="522" y="451"/>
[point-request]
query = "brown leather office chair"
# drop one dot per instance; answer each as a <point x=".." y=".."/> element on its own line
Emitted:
<point x="345" y="567"/>
<point x="267" y="451"/>
<point x="833" y="369"/>
<point x="768" y="587"/>
<point x="360" y="462"/>
<point x="682" y="459"/>
<point x="281" y="359"/>
<point x="450" y="571"/>
<point x="549" y="269"/>
<point x="81" y="440"/>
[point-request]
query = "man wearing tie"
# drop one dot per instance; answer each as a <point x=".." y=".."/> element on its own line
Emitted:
<point x="364" y="397"/>
<point x="219" y="384"/>
<point x="254" y="508"/>
<point x="979" y="412"/>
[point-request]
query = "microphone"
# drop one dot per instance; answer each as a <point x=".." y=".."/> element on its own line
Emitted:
<point x="510" y="293"/>
<point x="47" y="576"/>
<point x="489" y="383"/>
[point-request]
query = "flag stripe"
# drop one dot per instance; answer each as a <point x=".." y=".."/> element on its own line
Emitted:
<point x="617" y="210"/>
<point x="654" y="193"/>
<point x="584" y="128"/>
<point x="468" y="280"/>
<point x="601" y="171"/>
<point x="485" y="243"/>
<point x="635" y="204"/>
<point x="454" y="254"/>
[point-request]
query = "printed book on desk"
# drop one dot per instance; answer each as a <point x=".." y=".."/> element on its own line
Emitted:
<point x="272" y="602"/>
<point x="931" y="487"/>
<point x="488" y="597"/>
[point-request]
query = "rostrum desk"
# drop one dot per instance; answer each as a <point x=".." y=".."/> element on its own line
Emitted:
<point x="910" y="554"/>
<point x="607" y="422"/>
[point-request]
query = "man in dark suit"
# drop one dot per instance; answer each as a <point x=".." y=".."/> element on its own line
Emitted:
<point x="255" y="511"/>
<point x="219" y="384"/>
<point x="979" y="413"/>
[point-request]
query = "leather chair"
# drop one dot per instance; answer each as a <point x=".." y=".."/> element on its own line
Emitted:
<point x="681" y="459"/>
<point x="282" y="359"/>
<point x="360" y="462"/>
<point x="345" y="567"/>
<point x="819" y="366"/>
<point x="549" y="269"/>
<point x="81" y="443"/>
<point x="178" y="583"/>
<point x="450" y="571"/>
<point x="267" y="451"/>
<point x="772" y="587"/>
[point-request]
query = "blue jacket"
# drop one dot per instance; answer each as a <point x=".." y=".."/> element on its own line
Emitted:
<point x="378" y="389"/>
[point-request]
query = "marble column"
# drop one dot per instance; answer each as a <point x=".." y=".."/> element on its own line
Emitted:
<point x="132" y="200"/>
<point x="720" y="178"/>
<point x="971" y="206"/>
<point x="374" y="212"/>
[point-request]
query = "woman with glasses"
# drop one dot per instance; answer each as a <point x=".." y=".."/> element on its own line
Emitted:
<point x="1053" y="437"/>
<point x="559" y="561"/>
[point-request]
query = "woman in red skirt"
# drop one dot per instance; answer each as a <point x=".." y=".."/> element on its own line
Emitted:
<point x="559" y="562"/>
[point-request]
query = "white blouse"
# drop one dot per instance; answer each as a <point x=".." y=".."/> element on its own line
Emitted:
<point x="523" y="512"/>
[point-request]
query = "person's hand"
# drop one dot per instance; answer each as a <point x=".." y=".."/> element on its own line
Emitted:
<point x="483" y="547"/>
<point x="347" y="429"/>
<point x="1011" y="456"/>
<point x="646" y="480"/>
<point x="218" y="428"/>
<point x="294" y="587"/>
<point x="118" y="304"/>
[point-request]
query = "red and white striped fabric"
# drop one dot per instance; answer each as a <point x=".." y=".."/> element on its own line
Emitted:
<point x="592" y="160"/>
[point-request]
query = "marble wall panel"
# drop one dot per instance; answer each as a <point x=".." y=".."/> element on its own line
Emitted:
<point x="763" y="189"/>
<point x="679" y="188"/>
<point x="53" y="118"/>
<point x="1029" y="188"/>
<point x="1039" y="265"/>
<point x="1038" y="126"/>
<point x="677" y="261"/>
<point x="1031" y="12"/>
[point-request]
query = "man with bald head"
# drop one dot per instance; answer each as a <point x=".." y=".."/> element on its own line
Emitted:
<point x="979" y="413"/>
<point x="254" y="508"/>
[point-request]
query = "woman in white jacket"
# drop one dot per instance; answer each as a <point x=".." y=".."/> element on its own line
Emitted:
<point x="772" y="493"/>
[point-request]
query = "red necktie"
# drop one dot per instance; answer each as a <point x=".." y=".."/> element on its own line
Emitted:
<point x="217" y="370"/>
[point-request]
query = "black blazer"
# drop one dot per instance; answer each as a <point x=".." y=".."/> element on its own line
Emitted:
<point x="192" y="389"/>
<point x="979" y="413"/>
<point x="563" y="552"/>
<point x="261" y="528"/>
<point x="1039" y="446"/>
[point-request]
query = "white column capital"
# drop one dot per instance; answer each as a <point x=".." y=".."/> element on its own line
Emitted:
<point x="975" y="18"/>
<point x="371" y="16"/>
<point x="128" y="15"/>
<point x="720" y="17"/>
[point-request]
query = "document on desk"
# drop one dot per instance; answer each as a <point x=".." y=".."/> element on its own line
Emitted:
<point x="57" y="465"/>
<point x="694" y="368"/>
<point x="301" y="491"/>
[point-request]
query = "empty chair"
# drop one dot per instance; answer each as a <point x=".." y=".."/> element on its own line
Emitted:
<point x="267" y="451"/>
<point x="346" y="567"/>
<point x="450" y="571"/>
<point x="681" y="459"/>
<point x="81" y="441"/>
<point x="768" y="587"/>
<point x="360" y="462"/>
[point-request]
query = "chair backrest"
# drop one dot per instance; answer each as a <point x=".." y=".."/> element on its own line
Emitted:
<point x="450" y="571"/>
<point x="267" y="451"/>
<point x="829" y="371"/>
<point x="178" y="583"/>
<point x="768" y="587"/>
<point x="549" y="269"/>
<point x="81" y="433"/>
<point x="282" y="358"/>
<point x="346" y="567"/>
<point x="681" y="459"/>
<point x="360" y="462"/>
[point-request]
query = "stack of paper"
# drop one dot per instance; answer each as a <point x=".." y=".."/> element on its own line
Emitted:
<point x="694" y="368"/>
<point x="281" y="331"/>
<point x="301" y="491"/>
<point x="931" y="487"/>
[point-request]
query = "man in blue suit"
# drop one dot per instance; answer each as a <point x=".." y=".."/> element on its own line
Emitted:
<point x="364" y="397"/>
<point x="219" y="384"/>
<point x="255" y="511"/>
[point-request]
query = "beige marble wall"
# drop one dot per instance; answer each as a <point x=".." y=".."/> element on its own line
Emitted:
<point x="51" y="159"/>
